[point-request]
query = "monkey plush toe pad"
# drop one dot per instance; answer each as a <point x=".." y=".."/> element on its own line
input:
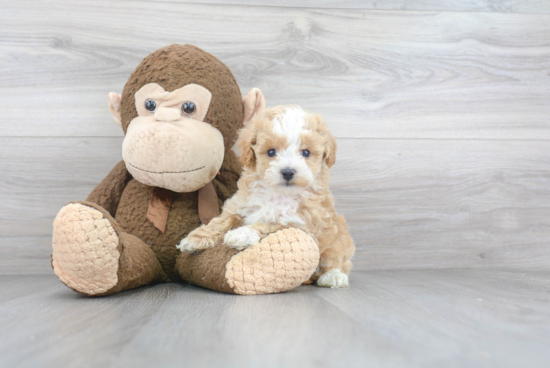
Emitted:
<point x="280" y="262"/>
<point x="85" y="249"/>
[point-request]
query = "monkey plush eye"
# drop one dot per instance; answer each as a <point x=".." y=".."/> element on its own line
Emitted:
<point x="305" y="153"/>
<point x="271" y="152"/>
<point x="150" y="105"/>
<point x="188" y="108"/>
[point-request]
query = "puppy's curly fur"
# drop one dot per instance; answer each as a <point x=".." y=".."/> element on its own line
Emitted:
<point x="287" y="153"/>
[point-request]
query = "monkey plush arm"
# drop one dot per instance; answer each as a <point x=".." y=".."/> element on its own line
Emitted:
<point x="107" y="194"/>
<point x="226" y="182"/>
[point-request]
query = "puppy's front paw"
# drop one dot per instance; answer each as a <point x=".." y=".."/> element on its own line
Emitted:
<point x="241" y="238"/>
<point x="193" y="243"/>
<point x="333" y="279"/>
<point x="185" y="245"/>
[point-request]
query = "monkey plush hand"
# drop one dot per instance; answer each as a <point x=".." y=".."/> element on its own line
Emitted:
<point x="180" y="110"/>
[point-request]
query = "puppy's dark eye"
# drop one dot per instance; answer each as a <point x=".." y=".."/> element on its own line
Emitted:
<point x="305" y="153"/>
<point x="271" y="152"/>
<point x="188" y="108"/>
<point x="150" y="105"/>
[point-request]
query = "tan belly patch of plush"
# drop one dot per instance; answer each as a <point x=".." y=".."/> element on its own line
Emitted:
<point x="85" y="249"/>
<point x="280" y="262"/>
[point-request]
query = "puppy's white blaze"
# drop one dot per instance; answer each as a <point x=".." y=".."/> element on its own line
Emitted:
<point x="290" y="124"/>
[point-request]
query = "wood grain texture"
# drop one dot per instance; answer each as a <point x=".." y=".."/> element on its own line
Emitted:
<point x="373" y="74"/>
<point x="429" y="318"/>
<point x="493" y="6"/>
<point x="26" y="255"/>
<point x="441" y="114"/>
<point x="410" y="203"/>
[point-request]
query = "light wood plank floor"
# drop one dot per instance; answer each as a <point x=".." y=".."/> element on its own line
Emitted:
<point x="438" y="318"/>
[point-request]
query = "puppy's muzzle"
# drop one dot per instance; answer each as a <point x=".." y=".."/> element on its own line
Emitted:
<point x="288" y="174"/>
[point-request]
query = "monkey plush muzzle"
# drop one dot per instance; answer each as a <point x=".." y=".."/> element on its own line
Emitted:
<point x="168" y="145"/>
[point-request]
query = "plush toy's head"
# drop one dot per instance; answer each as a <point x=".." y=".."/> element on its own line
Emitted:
<point x="180" y="110"/>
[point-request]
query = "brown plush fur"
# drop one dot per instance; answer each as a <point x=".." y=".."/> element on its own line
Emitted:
<point x="107" y="194"/>
<point x="192" y="267"/>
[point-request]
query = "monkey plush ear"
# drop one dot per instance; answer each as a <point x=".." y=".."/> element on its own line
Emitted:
<point x="114" y="107"/>
<point x="254" y="103"/>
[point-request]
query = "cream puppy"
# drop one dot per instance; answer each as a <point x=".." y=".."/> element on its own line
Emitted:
<point x="287" y="153"/>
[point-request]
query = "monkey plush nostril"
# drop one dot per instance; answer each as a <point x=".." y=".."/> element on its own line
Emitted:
<point x="288" y="174"/>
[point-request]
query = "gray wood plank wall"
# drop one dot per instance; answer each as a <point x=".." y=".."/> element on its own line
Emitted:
<point x="441" y="110"/>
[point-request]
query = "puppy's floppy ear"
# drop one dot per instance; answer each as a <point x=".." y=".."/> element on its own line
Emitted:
<point x="246" y="140"/>
<point x="253" y="103"/>
<point x="330" y="149"/>
<point x="330" y="146"/>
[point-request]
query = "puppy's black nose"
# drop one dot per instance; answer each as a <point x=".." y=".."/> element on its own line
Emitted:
<point x="287" y="174"/>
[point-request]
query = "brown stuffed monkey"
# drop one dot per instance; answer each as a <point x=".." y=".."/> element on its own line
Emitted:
<point x="180" y="110"/>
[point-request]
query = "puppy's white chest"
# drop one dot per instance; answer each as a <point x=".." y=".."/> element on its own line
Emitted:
<point x="267" y="208"/>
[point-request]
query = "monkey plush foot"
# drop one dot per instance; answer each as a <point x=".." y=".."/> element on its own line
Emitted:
<point x="85" y="249"/>
<point x="278" y="263"/>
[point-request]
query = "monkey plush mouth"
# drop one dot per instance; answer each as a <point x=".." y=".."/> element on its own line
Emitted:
<point x="166" y="172"/>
